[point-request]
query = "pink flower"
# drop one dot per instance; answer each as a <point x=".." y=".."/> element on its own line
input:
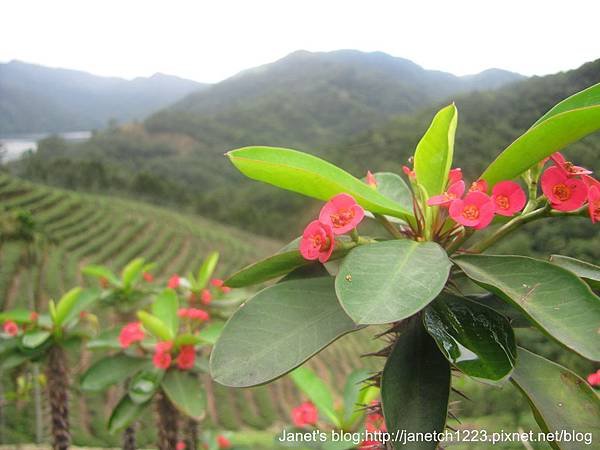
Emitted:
<point x="454" y="176"/>
<point x="225" y="289"/>
<point x="33" y="316"/>
<point x="180" y="446"/>
<point x="162" y="360"/>
<point x="317" y="241"/>
<point x="305" y="414"/>
<point x="182" y="312"/>
<point x="594" y="203"/>
<point x="186" y="357"/>
<point x="164" y="346"/>
<point x="130" y="333"/>
<point x="173" y="282"/>
<point x="409" y="172"/>
<point x="148" y="277"/>
<point x="10" y="328"/>
<point x="341" y="213"/>
<point x="205" y="296"/>
<point x="564" y="193"/>
<point x="566" y="167"/>
<point x="198" y="314"/>
<point x="454" y="191"/>
<point x="216" y="282"/>
<point x="479" y="186"/>
<point x="223" y="442"/>
<point x="509" y="198"/>
<point x="371" y="181"/>
<point x="475" y="210"/>
<point x="594" y="378"/>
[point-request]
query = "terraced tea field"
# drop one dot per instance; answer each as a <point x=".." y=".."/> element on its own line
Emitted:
<point x="94" y="229"/>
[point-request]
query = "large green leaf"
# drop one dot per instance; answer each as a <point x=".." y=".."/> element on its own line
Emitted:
<point x="582" y="99"/>
<point x="590" y="273"/>
<point x="132" y="272"/>
<point x="277" y="330"/>
<point x="415" y="386"/>
<point x="476" y="339"/>
<point x="16" y="315"/>
<point x="553" y="298"/>
<point x="34" y="338"/>
<point x="66" y="305"/>
<point x="389" y="281"/>
<point x="124" y="414"/>
<point x="561" y="400"/>
<point x="156" y="326"/>
<point x="144" y="385"/>
<point x="186" y="392"/>
<point x="311" y="176"/>
<point x="540" y="141"/>
<point x="110" y="371"/>
<point x="433" y="156"/>
<point x="165" y="307"/>
<point x="394" y="187"/>
<point x="317" y="391"/>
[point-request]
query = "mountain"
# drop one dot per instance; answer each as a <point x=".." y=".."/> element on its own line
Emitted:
<point x="310" y="99"/>
<point x="35" y="98"/>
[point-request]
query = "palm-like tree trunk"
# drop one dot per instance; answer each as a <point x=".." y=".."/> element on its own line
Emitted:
<point x="58" y="382"/>
<point x="167" y="422"/>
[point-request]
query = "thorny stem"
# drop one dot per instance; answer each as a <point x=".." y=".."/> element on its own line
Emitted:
<point x="57" y="378"/>
<point x="167" y="421"/>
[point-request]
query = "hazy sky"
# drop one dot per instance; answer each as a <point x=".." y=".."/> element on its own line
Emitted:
<point x="211" y="40"/>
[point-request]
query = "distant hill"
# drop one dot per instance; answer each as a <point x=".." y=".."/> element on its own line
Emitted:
<point x="310" y="100"/>
<point x="35" y="98"/>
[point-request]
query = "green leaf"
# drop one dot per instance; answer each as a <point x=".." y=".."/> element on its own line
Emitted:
<point x="144" y="385"/>
<point x="394" y="187"/>
<point x="66" y="305"/>
<point x="390" y="281"/>
<point x="132" y="272"/>
<point x="207" y="269"/>
<point x="540" y="141"/>
<point x="589" y="272"/>
<point x="34" y="338"/>
<point x="210" y="333"/>
<point x="124" y="414"/>
<point x="12" y="359"/>
<point x="186" y="392"/>
<point x="85" y="300"/>
<point x="415" y="386"/>
<point x="106" y="340"/>
<point x="514" y="315"/>
<point x="155" y="326"/>
<point x="554" y="299"/>
<point x="165" y="306"/>
<point x="277" y="330"/>
<point x="187" y="339"/>
<point x="102" y="272"/>
<point x="19" y="316"/>
<point x="560" y="399"/>
<point x="110" y="371"/>
<point x="310" y="176"/>
<point x="433" y="156"/>
<point x="268" y="268"/>
<point x="354" y="392"/>
<point x="582" y="99"/>
<point x="317" y="391"/>
<point x="476" y="339"/>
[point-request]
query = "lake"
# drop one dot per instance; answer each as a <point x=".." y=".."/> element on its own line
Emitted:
<point x="16" y="145"/>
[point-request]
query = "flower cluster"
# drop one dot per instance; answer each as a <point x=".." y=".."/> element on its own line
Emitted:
<point x="476" y="209"/>
<point x="339" y="215"/>
<point x="193" y="314"/>
<point x="305" y="414"/>
<point x="594" y="378"/>
<point x="10" y="328"/>
<point x="567" y="187"/>
<point x="131" y="333"/>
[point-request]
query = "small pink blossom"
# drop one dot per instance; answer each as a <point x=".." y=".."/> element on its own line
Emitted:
<point x="563" y="192"/>
<point x="183" y="312"/>
<point x="341" y="213"/>
<point x="409" y="172"/>
<point x="162" y="360"/>
<point x="566" y="167"/>
<point x="454" y="191"/>
<point x="305" y="414"/>
<point x="594" y="203"/>
<point x="223" y="442"/>
<point x="174" y="282"/>
<point x="454" y="175"/>
<point x="371" y="181"/>
<point x="10" y="328"/>
<point x="594" y="378"/>
<point x="164" y="346"/>
<point x="148" y="277"/>
<point x="216" y="282"/>
<point x="198" y="314"/>
<point x="205" y="296"/>
<point x="225" y="289"/>
<point x="130" y="333"/>
<point x="509" y="198"/>
<point x="479" y="186"/>
<point x="186" y="357"/>
<point x="180" y="446"/>
<point x="317" y="241"/>
<point x="475" y="210"/>
<point x="33" y="316"/>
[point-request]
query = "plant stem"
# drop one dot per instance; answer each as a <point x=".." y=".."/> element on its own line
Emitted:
<point x="57" y="378"/>
<point x="166" y="422"/>
<point x="129" y="438"/>
<point x="389" y="226"/>
<point x="191" y="434"/>
<point x="37" y="397"/>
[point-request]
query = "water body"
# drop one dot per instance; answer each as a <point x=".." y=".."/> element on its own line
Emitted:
<point x="16" y="145"/>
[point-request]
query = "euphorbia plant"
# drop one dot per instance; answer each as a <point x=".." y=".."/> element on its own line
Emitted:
<point x="31" y="337"/>
<point x="413" y="280"/>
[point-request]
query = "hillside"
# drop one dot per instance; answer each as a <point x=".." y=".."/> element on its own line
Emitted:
<point x="34" y="98"/>
<point x="94" y="229"/>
